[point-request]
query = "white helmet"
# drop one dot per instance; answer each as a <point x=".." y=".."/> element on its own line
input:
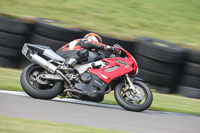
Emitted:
<point x="93" y="37"/>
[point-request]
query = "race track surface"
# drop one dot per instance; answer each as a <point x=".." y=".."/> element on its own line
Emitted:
<point x="95" y="116"/>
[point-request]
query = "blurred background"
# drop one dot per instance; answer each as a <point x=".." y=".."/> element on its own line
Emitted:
<point x="171" y="66"/>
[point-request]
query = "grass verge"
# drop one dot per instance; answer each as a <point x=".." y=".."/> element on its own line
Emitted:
<point x="16" y="125"/>
<point x="9" y="80"/>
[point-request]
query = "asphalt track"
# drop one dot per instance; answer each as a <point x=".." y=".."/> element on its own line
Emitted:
<point x="109" y="117"/>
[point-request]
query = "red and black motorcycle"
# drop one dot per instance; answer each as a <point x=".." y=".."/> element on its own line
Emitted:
<point x="49" y="77"/>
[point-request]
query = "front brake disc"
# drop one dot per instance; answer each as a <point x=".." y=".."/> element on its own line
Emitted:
<point x="135" y="97"/>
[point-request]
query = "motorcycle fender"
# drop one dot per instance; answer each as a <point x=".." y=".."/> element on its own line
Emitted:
<point x="137" y="79"/>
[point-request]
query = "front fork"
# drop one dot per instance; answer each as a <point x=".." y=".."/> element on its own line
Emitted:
<point x="130" y="83"/>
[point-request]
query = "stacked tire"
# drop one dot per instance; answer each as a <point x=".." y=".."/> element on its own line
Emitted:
<point x="160" y="63"/>
<point x="13" y="34"/>
<point x="190" y="80"/>
<point x="52" y="36"/>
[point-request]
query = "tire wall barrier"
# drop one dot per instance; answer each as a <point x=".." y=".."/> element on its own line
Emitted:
<point x="13" y="34"/>
<point x="166" y="67"/>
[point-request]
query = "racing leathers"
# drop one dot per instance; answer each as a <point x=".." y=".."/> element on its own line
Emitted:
<point x="77" y="50"/>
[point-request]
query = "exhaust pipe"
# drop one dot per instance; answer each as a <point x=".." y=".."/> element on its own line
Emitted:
<point x="44" y="63"/>
<point x="49" y="66"/>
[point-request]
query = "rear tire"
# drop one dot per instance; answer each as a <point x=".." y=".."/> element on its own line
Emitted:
<point x="48" y="91"/>
<point x="122" y="101"/>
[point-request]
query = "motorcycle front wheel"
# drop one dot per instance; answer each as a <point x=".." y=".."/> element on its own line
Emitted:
<point x="43" y="90"/>
<point x="138" y="101"/>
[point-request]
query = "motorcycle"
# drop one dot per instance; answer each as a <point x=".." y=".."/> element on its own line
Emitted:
<point x="49" y="77"/>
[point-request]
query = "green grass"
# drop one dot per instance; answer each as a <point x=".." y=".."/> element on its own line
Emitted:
<point x="9" y="80"/>
<point x="171" y="20"/>
<point x="16" y="125"/>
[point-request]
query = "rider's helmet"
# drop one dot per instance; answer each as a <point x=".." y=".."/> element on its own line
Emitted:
<point x="93" y="37"/>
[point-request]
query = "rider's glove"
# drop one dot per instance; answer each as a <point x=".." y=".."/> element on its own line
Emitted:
<point x="110" y="48"/>
<point x="113" y="50"/>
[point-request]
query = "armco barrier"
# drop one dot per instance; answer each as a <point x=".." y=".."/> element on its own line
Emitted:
<point x="161" y="64"/>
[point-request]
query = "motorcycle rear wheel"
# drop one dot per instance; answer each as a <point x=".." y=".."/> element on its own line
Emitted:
<point x="36" y="90"/>
<point x="133" y="105"/>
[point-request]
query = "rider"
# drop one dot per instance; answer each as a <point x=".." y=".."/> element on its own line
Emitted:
<point x="77" y="50"/>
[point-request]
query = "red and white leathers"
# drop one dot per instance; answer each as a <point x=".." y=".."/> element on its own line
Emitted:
<point x="79" y="44"/>
<point x="72" y="49"/>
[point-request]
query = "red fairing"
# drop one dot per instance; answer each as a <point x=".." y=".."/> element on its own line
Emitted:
<point x="116" y="67"/>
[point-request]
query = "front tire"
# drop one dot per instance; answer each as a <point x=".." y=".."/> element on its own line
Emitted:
<point x="133" y="103"/>
<point x="36" y="90"/>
